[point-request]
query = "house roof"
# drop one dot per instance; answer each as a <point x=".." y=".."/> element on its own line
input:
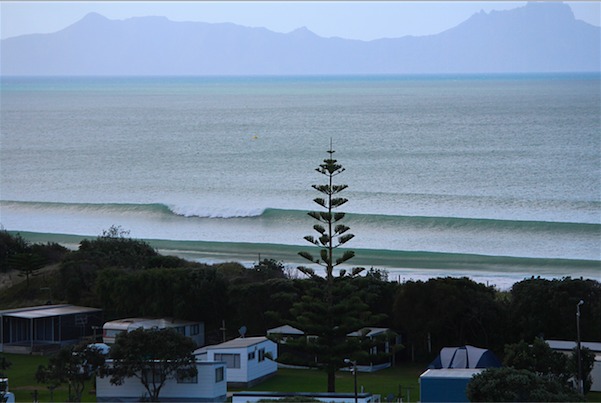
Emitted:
<point x="146" y="323"/>
<point x="464" y="373"/>
<point x="570" y="345"/>
<point x="285" y="329"/>
<point x="45" y="311"/>
<point x="240" y="342"/>
<point x="369" y="331"/>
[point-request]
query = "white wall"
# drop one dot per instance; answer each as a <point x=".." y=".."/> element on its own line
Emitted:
<point x="249" y="370"/>
<point x="206" y="389"/>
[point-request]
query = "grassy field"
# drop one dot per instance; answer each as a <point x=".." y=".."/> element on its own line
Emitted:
<point x="21" y="381"/>
<point x="402" y="378"/>
<point x="391" y="381"/>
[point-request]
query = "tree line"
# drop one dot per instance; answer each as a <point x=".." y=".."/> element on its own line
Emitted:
<point x="126" y="277"/>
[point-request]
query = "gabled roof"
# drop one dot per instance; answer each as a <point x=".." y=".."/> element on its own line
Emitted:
<point x="285" y="329"/>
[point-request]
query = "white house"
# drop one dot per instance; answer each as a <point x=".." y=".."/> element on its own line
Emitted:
<point x="249" y="360"/>
<point x="193" y="330"/>
<point x="566" y="347"/>
<point x="209" y="385"/>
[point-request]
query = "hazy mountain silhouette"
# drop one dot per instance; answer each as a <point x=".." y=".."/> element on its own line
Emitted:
<point x="539" y="37"/>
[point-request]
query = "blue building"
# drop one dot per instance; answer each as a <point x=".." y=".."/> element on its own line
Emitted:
<point x="446" y="385"/>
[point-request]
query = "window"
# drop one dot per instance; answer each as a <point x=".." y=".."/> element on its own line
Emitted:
<point x="261" y="354"/>
<point x="194" y="330"/>
<point x="251" y="355"/>
<point x="231" y="360"/>
<point x="180" y="330"/>
<point x="219" y="375"/>
<point x="187" y="375"/>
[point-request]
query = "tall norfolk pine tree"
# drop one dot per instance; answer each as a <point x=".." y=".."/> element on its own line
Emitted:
<point x="330" y="308"/>
<point x="333" y="234"/>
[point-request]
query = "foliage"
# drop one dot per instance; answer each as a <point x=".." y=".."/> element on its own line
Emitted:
<point x="198" y="294"/>
<point x="331" y="307"/>
<point x="587" y="358"/>
<point x="4" y="365"/>
<point x="27" y="263"/>
<point x="73" y="365"/>
<point x="334" y="234"/>
<point x="17" y="253"/>
<point x="451" y="311"/>
<point x="509" y="384"/>
<point x="547" y="308"/>
<point x="327" y="314"/>
<point x="260" y="305"/>
<point x="10" y="245"/>
<point x="152" y="356"/>
<point x="538" y="358"/>
<point x="110" y="250"/>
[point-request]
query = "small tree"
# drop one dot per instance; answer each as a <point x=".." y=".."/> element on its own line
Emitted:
<point x="27" y="263"/>
<point x="4" y="365"/>
<point x="73" y="365"/>
<point x="151" y="356"/>
<point x="508" y="384"/>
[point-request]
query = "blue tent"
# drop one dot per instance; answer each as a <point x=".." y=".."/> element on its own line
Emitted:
<point x="465" y="357"/>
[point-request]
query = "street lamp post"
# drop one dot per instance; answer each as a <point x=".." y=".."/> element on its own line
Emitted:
<point x="580" y="381"/>
<point x="354" y="363"/>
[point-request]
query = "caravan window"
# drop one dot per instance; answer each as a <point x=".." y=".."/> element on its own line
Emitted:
<point x="184" y="376"/>
<point x="231" y="360"/>
<point x="219" y="375"/>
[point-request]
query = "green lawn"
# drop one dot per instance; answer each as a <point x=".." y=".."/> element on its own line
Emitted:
<point x="384" y="382"/>
<point x="21" y="380"/>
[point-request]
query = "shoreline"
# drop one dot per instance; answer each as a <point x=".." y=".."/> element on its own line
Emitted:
<point x="501" y="271"/>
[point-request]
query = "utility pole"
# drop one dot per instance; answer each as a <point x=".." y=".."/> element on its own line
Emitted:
<point x="580" y="380"/>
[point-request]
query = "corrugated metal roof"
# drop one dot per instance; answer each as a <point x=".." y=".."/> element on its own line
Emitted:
<point x="45" y="311"/>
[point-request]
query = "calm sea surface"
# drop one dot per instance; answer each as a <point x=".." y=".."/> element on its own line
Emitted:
<point x="507" y="168"/>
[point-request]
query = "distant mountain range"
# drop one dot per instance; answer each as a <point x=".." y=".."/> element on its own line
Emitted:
<point x="538" y="37"/>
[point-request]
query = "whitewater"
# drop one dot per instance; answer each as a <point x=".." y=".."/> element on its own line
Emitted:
<point x="494" y="177"/>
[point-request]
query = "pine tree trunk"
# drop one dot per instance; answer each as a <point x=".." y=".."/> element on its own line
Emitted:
<point x="331" y="380"/>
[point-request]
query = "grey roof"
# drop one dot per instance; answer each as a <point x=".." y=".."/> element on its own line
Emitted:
<point x="570" y="345"/>
<point x="240" y="342"/>
<point x="369" y="331"/>
<point x="146" y="323"/>
<point x="285" y="329"/>
<point x="451" y="373"/>
<point x="46" y="311"/>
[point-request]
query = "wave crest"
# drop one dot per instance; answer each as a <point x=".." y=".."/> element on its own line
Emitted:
<point x="215" y="212"/>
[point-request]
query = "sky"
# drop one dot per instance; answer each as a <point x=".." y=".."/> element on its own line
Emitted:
<point x="363" y="20"/>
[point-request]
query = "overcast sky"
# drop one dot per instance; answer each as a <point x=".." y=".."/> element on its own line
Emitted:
<point x="365" y="20"/>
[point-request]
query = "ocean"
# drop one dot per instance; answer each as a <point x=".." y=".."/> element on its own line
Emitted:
<point x="495" y="177"/>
